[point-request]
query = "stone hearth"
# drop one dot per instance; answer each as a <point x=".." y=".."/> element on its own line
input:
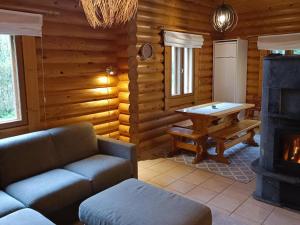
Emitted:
<point x="278" y="168"/>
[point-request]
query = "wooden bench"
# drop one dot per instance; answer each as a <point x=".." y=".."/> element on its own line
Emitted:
<point x="179" y="137"/>
<point x="242" y="131"/>
<point x="184" y="124"/>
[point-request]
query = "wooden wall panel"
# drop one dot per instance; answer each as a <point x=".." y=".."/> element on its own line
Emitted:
<point x="278" y="19"/>
<point x="272" y="17"/>
<point x="127" y="80"/>
<point x="153" y="120"/>
<point x="253" y="71"/>
<point x="71" y="60"/>
<point x="245" y="6"/>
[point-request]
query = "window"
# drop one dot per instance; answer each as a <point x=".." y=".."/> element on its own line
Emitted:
<point x="11" y="82"/>
<point x="282" y="52"/>
<point x="296" y="52"/>
<point x="287" y="52"/>
<point x="182" y="78"/>
<point x="182" y="57"/>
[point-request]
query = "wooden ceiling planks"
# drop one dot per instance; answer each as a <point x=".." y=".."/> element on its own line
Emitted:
<point x="246" y="6"/>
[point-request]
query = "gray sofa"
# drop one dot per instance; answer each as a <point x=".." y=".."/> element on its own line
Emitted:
<point x="52" y="171"/>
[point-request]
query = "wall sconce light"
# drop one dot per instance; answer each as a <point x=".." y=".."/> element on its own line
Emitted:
<point x="112" y="71"/>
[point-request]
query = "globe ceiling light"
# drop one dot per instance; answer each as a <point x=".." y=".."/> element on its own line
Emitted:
<point x="224" y="18"/>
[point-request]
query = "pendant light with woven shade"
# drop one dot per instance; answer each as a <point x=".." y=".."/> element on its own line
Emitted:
<point x="106" y="13"/>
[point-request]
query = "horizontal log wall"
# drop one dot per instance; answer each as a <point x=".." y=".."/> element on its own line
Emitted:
<point x="127" y="84"/>
<point x="72" y="58"/>
<point x="253" y="71"/>
<point x="153" y="120"/>
<point x="278" y="19"/>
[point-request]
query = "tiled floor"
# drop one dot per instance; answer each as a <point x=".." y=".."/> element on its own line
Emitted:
<point x="230" y="201"/>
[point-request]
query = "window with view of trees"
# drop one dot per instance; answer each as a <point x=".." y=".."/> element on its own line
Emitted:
<point x="278" y="52"/>
<point x="181" y="58"/>
<point x="182" y="71"/>
<point x="287" y="52"/>
<point x="180" y="76"/>
<point x="297" y="52"/>
<point x="11" y="110"/>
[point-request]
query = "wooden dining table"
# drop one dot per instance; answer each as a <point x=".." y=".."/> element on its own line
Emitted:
<point x="211" y="117"/>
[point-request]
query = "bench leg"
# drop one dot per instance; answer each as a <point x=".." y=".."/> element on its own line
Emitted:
<point x="174" y="149"/>
<point x="220" y="153"/>
<point x="251" y="140"/>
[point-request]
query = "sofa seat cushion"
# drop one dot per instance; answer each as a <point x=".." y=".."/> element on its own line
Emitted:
<point x="102" y="170"/>
<point x="8" y="204"/>
<point x="51" y="191"/>
<point x="25" y="217"/>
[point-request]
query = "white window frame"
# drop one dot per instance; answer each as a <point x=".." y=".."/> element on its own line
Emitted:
<point x="182" y="72"/>
<point x="18" y="85"/>
<point x="181" y="75"/>
<point x="173" y="102"/>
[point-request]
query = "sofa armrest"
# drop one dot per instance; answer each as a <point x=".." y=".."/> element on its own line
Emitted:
<point x="109" y="146"/>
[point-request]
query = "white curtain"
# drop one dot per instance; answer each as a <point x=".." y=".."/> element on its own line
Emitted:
<point x="279" y="42"/>
<point x="20" y="23"/>
<point x="183" y="40"/>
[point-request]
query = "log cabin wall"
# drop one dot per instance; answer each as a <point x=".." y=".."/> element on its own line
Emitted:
<point x="127" y="63"/>
<point x="71" y="62"/>
<point x="272" y="17"/>
<point x="176" y="15"/>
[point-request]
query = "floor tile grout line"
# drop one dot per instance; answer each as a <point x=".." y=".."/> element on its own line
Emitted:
<point x="178" y="179"/>
<point x="195" y="185"/>
<point x="240" y="205"/>
<point x="269" y="215"/>
<point x="230" y="213"/>
<point x="163" y="171"/>
<point x="153" y="164"/>
<point x="166" y="172"/>
<point x="250" y="197"/>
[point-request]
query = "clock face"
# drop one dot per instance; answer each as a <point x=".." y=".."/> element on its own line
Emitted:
<point x="146" y="51"/>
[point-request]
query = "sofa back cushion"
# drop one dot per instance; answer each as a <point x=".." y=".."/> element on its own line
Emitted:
<point x="74" y="142"/>
<point x="26" y="155"/>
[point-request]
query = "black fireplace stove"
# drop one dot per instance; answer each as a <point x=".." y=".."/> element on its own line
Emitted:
<point x="278" y="168"/>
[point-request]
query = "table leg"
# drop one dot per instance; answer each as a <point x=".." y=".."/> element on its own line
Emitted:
<point x="202" y="127"/>
<point x="220" y="148"/>
<point x="201" y="151"/>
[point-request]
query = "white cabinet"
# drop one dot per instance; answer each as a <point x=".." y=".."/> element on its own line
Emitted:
<point x="230" y="71"/>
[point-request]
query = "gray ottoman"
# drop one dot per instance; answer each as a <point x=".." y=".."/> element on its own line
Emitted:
<point x="133" y="202"/>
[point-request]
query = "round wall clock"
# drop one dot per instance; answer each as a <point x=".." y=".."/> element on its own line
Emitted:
<point x="146" y="51"/>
